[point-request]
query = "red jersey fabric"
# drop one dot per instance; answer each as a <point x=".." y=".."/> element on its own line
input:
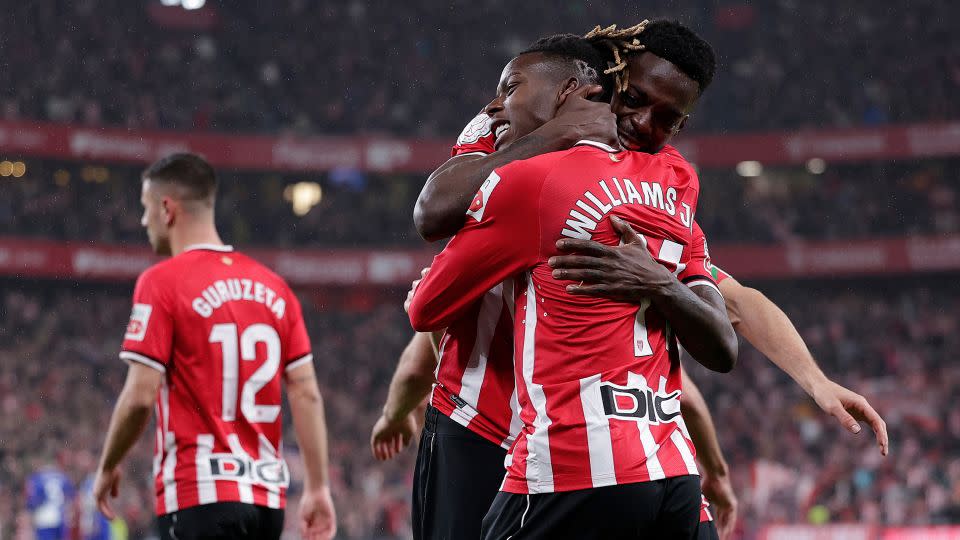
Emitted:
<point x="597" y="387"/>
<point x="222" y="328"/>
<point x="475" y="385"/>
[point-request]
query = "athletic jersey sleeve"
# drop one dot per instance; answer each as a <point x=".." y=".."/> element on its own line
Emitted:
<point x="476" y="137"/>
<point x="149" y="336"/>
<point x="298" y="341"/>
<point x="500" y="238"/>
<point x="698" y="272"/>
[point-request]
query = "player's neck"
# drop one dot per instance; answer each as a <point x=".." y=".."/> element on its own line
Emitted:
<point x="193" y="234"/>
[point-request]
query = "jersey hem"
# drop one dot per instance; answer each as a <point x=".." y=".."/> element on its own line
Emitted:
<point x="522" y="486"/>
<point x="130" y="356"/>
<point x="305" y="359"/>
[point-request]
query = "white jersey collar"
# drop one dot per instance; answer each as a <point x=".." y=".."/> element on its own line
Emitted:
<point x="600" y="145"/>
<point x="211" y="247"/>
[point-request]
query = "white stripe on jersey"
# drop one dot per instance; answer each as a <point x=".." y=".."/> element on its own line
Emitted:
<point x="684" y="450"/>
<point x="169" y="482"/>
<point x="516" y="423"/>
<point x="158" y="453"/>
<point x="245" y="489"/>
<point x="273" y="490"/>
<point x="206" y="486"/>
<point x="599" y="443"/>
<point x="539" y="465"/>
<point x="169" y="451"/>
<point x="650" y="446"/>
<point x="472" y="380"/>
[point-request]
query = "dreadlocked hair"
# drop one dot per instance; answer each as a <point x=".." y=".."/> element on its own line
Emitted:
<point x="587" y="63"/>
<point x="669" y="40"/>
<point x="618" y="41"/>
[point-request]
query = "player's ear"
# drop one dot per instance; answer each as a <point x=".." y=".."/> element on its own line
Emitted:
<point x="168" y="210"/>
<point x="681" y="123"/>
<point x="568" y="87"/>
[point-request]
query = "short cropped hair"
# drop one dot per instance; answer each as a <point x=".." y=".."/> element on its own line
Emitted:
<point x="190" y="172"/>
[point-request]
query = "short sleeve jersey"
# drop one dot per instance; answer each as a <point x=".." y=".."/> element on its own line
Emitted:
<point x="597" y="385"/>
<point x="223" y="329"/>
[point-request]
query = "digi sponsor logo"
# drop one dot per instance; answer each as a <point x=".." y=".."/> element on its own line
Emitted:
<point x="269" y="472"/>
<point x="139" y="318"/>
<point x="479" y="204"/>
<point x="639" y="403"/>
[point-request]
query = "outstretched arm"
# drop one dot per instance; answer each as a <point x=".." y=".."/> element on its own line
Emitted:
<point x="715" y="483"/>
<point x="411" y="383"/>
<point x="769" y="329"/>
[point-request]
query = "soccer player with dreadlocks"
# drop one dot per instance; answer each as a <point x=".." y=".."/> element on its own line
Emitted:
<point x="666" y="40"/>
<point x="601" y="427"/>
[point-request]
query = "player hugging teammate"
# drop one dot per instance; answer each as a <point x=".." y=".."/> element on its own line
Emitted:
<point x="565" y="365"/>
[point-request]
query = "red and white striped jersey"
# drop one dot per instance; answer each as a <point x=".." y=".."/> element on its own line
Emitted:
<point x="222" y="328"/>
<point x="598" y="389"/>
<point x="475" y="385"/>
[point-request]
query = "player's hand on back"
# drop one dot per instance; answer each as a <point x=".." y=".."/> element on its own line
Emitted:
<point x="626" y="273"/>
<point x="318" y="519"/>
<point x="106" y="486"/>
<point x="719" y="492"/>
<point x="389" y="438"/>
<point x="850" y="408"/>
<point x="579" y="118"/>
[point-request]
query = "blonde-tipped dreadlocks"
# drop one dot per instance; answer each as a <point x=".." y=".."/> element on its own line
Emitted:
<point x="620" y="43"/>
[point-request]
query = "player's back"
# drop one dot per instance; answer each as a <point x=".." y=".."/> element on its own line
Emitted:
<point x="599" y="389"/>
<point x="223" y="328"/>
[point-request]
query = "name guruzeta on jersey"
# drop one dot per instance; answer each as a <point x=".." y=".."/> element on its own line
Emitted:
<point x="615" y="192"/>
<point x="222" y="291"/>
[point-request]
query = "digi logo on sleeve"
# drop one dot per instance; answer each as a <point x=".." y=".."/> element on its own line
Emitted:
<point x="479" y="203"/>
<point x="139" y="318"/>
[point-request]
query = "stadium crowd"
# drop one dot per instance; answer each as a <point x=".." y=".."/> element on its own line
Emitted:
<point x="790" y="462"/>
<point x="358" y="210"/>
<point x="409" y="67"/>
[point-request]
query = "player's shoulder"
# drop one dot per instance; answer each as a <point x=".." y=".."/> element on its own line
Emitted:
<point x="162" y="272"/>
<point x="672" y="157"/>
<point x="586" y="152"/>
<point x="266" y="274"/>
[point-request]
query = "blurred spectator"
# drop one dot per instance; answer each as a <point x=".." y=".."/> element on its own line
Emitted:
<point x="887" y="339"/>
<point x="412" y="69"/>
<point x="359" y="210"/>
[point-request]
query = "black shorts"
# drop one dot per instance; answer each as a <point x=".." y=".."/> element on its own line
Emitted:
<point x="225" y="520"/>
<point x="708" y="531"/>
<point x="667" y="508"/>
<point x="458" y="474"/>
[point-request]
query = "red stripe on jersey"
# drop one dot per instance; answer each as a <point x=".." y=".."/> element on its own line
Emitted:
<point x="583" y="366"/>
<point x="222" y="328"/>
<point x="705" y="514"/>
<point x="474" y="375"/>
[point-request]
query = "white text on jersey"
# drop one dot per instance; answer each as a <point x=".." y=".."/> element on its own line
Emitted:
<point x="582" y="226"/>
<point x="227" y="290"/>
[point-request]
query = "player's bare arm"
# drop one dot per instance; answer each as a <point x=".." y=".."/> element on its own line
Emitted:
<point x="448" y="192"/>
<point x="767" y="327"/>
<point x="130" y="417"/>
<point x="317" y="517"/>
<point x="411" y="383"/>
<point x="715" y="473"/>
<point x="629" y="274"/>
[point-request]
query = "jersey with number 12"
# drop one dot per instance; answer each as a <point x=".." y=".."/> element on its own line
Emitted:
<point x="223" y="329"/>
